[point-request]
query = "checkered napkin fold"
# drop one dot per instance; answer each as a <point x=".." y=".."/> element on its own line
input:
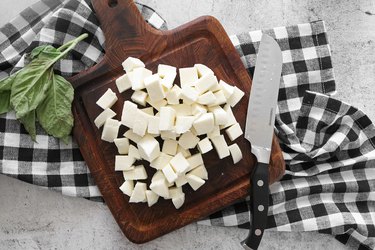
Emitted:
<point x="328" y="145"/>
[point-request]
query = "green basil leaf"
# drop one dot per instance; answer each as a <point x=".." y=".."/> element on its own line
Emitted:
<point x="4" y="102"/>
<point x="28" y="122"/>
<point x="55" y="112"/>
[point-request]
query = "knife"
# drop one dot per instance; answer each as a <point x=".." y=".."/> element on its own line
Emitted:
<point x="259" y="129"/>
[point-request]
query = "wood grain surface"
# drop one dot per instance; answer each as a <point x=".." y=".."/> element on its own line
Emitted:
<point x="201" y="41"/>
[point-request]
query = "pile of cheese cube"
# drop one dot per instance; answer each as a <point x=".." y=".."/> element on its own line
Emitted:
<point x="188" y="116"/>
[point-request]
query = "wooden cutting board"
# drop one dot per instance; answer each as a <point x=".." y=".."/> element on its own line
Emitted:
<point x="200" y="41"/>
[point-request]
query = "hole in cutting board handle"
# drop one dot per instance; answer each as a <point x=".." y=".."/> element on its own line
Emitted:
<point x="112" y="3"/>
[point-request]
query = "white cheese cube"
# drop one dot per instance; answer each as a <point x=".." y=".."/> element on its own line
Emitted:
<point x="132" y="136"/>
<point x="107" y="99"/>
<point x="127" y="187"/>
<point x="220" y="116"/>
<point x="234" y="131"/>
<point x="215" y="132"/>
<point x="180" y="181"/>
<point x="227" y="89"/>
<point x="173" y="95"/>
<point x="140" y="123"/>
<point x="149" y="110"/>
<point x="179" y="164"/>
<point x="103" y="116"/>
<point x="188" y="140"/>
<point x="154" y="88"/>
<point x="235" y="152"/>
<point x="124" y="162"/>
<point x="168" y="80"/>
<point x="188" y="76"/>
<point x="195" y="161"/>
<point x="160" y="187"/>
<point x="204" y="146"/>
<point x="138" y="76"/>
<point x="203" y="70"/>
<point x="164" y="70"/>
<point x="122" y="145"/>
<point x="215" y="88"/>
<point x="167" y="118"/>
<point x="153" y="125"/>
<point x="131" y="63"/>
<point x="169" y="134"/>
<point x="123" y="83"/>
<point x="158" y="176"/>
<point x="110" y="130"/>
<point x="152" y="198"/>
<point x="235" y="97"/>
<point x="198" y="109"/>
<point x="200" y="171"/>
<point x="231" y="119"/>
<point x="221" y="146"/>
<point x="129" y="111"/>
<point x="175" y="192"/>
<point x="220" y="98"/>
<point x="182" y="109"/>
<point x="185" y="152"/>
<point x="183" y="123"/>
<point x="205" y="83"/>
<point x="139" y="97"/>
<point x="169" y="173"/>
<point x="133" y="152"/>
<point x="194" y="181"/>
<point x="207" y="98"/>
<point x="189" y="95"/>
<point x="161" y="161"/>
<point x="178" y="201"/>
<point x="139" y="193"/>
<point x="204" y="124"/>
<point x="140" y="172"/>
<point x="157" y="105"/>
<point x="148" y="148"/>
<point x="170" y="147"/>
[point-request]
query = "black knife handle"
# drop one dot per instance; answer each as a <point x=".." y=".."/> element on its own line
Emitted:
<point x="259" y="206"/>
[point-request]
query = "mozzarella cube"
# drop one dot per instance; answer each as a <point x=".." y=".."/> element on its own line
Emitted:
<point x="220" y="98"/>
<point x="167" y="117"/>
<point x="188" y="140"/>
<point x="157" y="105"/>
<point x="207" y="98"/>
<point x="180" y="181"/>
<point x="127" y="187"/>
<point x="137" y="173"/>
<point x="138" y="76"/>
<point x="129" y="111"/>
<point x="179" y="164"/>
<point x="110" y="130"/>
<point x="234" y="131"/>
<point x="170" y="147"/>
<point x="205" y="83"/>
<point x="168" y="80"/>
<point x="148" y="148"/>
<point x="153" y="125"/>
<point x="215" y="132"/>
<point x="200" y="171"/>
<point x="227" y="89"/>
<point x="204" y="124"/>
<point x="194" y="181"/>
<point x="133" y="152"/>
<point x="164" y="70"/>
<point x="178" y="201"/>
<point x="221" y="146"/>
<point x="204" y="146"/>
<point x="175" y="192"/>
<point x="122" y="145"/>
<point x="132" y="136"/>
<point x="198" y="109"/>
<point x="220" y="116"/>
<point x="139" y="193"/>
<point x="188" y="76"/>
<point x="185" y="152"/>
<point x="160" y="187"/>
<point x="123" y="83"/>
<point x="203" y="70"/>
<point x="235" y="152"/>
<point x="140" y="123"/>
<point x="173" y="96"/>
<point x="161" y="161"/>
<point x="169" y="173"/>
<point x="195" y="161"/>
<point x="103" y="116"/>
<point x="231" y="119"/>
<point x="131" y="63"/>
<point x="158" y="176"/>
<point x="235" y="97"/>
<point x="107" y="99"/>
<point x="183" y="123"/>
<point x="189" y="95"/>
<point x="169" y="134"/>
<point x="139" y="97"/>
<point x="182" y="109"/>
<point x="154" y="88"/>
<point x="149" y="110"/>
<point x="152" y="198"/>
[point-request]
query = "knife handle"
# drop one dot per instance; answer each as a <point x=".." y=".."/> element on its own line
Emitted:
<point x="259" y="206"/>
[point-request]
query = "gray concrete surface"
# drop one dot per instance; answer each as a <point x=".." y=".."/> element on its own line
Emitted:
<point x="34" y="218"/>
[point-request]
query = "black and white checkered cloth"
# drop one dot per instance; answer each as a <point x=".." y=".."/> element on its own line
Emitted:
<point x="328" y="145"/>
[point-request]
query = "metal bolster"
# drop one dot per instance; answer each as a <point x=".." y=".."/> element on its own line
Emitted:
<point x="262" y="154"/>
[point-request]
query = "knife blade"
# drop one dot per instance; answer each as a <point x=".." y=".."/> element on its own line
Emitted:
<point x="259" y="129"/>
